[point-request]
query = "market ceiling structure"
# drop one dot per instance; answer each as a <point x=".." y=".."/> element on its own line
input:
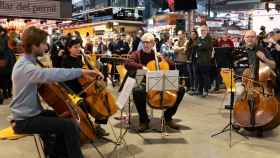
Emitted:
<point x="227" y="5"/>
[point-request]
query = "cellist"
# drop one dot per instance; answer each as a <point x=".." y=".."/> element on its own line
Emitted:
<point x="140" y="60"/>
<point x="72" y="59"/>
<point x="250" y="57"/>
<point x="27" y="113"/>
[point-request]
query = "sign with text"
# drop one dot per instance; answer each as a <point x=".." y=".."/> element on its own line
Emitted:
<point x="42" y="9"/>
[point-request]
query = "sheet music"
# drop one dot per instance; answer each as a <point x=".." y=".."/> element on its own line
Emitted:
<point x="161" y="80"/>
<point x="172" y="80"/>
<point x="125" y="93"/>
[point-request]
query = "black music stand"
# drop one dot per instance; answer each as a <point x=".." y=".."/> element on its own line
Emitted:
<point x="224" y="59"/>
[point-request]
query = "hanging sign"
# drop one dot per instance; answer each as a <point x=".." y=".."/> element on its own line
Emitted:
<point x="40" y="9"/>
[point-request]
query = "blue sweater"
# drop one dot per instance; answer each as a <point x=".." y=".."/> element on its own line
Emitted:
<point x="26" y="77"/>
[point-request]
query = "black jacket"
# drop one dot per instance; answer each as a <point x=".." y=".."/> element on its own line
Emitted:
<point x="10" y="58"/>
<point x="204" y="50"/>
<point x="71" y="62"/>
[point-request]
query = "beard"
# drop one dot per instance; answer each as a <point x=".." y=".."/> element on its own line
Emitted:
<point x="250" y="44"/>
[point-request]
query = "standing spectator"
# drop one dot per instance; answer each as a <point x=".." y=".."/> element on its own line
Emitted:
<point x="226" y="41"/>
<point x="216" y="79"/>
<point x="129" y="40"/>
<point x="166" y="48"/>
<point x="101" y="48"/>
<point x="7" y="61"/>
<point x="111" y="44"/>
<point x="121" y="46"/>
<point x="57" y="49"/>
<point x="77" y="34"/>
<point x="204" y="50"/>
<point x="262" y="34"/>
<point x="136" y="40"/>
<point x="3" y="38"/>
<point x="158" y="43"/>
<point x="273" y="47"/>
<point x="193" y="74"/>
<point x="88" y="36"/>
<point x="89" y="46"/>
<point x="118" y="47"/>
<point x="181" y="58"/>
<point x="124" y="44"/>
<point x="236" y="42"/>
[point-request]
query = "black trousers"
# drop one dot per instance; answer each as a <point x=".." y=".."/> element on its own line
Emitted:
<point x="203" y="78"/>
<point x="183" y="73"/>
<point x="139" y="97"/>
<point x="6" y="85"/>
<point x="67" y="134"/>
<point x="194" y="76"/>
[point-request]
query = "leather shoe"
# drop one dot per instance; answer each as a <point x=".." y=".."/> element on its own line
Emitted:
<point x="173" y="125"/>
<point x="143" y="127"/>
<point x="100" y="132"/>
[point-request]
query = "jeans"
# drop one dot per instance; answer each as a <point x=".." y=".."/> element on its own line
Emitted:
<point x="203" y="78"/>
<point x="194" y="75"/>
<point x="139" y="97"/>
<point x="183" y="73"/>
<point x="66" y="131"/>
<point x="215" y="77"/>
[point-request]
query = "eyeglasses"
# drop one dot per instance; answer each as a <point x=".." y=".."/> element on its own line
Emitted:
<point x="146" y="42"/>
<point x="73" y="38"/>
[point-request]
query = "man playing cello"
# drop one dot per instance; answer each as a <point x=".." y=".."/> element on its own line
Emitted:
<point x="250" y="58"/>
<point x="249" y="112"/>
<point x="141" y="59"/>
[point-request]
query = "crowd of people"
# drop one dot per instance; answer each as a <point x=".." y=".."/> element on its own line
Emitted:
<point x="192" y="54"/>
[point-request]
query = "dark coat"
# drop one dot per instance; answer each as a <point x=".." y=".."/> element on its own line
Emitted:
<point x="204" y="50"/>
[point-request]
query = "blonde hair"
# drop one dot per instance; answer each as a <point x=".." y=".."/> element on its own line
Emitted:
<point x="148" y="37"/>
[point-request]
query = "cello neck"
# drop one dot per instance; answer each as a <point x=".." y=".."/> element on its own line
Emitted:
<point x="87" y="62"/>
<point x="156" y="61"/>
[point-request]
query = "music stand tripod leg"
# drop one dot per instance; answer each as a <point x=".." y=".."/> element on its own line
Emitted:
<point x="130" y="126"/>
<point x="121" y="139"/>
<point x="96" y="148"/>
<point x="222" y="131"/>
<point x="229" y="126"/>
<point x="163" y="125"/>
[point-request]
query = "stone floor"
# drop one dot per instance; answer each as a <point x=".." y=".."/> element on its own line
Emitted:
<point x="199" y="117"/>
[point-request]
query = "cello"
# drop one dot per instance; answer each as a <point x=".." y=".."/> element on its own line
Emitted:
<point x="258" y="108"/>
<point x="57" y="97"/>
<point x="101" y="102"/>
<point x="160" y="99"/>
